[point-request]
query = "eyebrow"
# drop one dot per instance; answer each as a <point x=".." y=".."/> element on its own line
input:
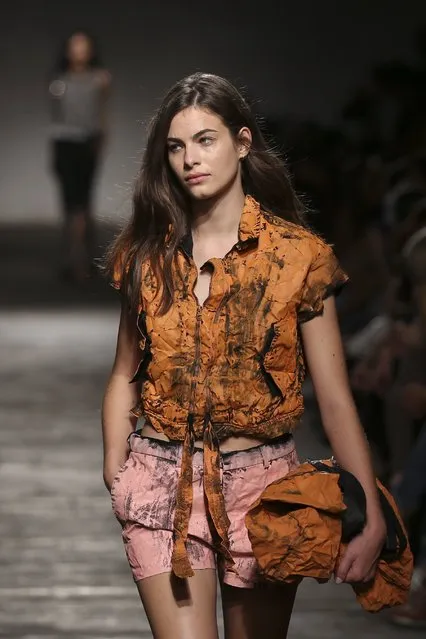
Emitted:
<point x="196" y="135"/>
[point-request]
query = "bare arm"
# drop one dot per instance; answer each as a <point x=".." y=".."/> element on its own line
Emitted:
<point x="105" y="83"/>
<point x="119" y="398"/>
<point x="326" y="362"/>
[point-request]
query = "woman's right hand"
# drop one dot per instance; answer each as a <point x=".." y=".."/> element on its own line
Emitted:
<point x="110" y="472"/>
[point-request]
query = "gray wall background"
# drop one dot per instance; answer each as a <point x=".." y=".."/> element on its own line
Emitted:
<point x="303" y="58"/>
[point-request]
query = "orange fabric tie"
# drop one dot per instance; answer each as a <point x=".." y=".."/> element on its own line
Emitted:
<point x="213" y="490"/>
<point x="180" y="561"/>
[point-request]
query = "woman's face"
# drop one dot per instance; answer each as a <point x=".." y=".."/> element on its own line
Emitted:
<point x="80" y="49"/>
<point x="202" y="153"/>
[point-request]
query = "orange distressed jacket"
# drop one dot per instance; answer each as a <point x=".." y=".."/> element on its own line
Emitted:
<point x="295" y="529"/>
<point x="233" y="366"/>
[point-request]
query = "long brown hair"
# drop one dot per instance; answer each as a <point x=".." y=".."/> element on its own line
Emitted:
<point x="160" y="217"/>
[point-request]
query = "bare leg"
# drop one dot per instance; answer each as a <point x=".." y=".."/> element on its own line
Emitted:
<point x="65" y="247"/>
<point x="257" y="613"/>
<point x="181" y="608"/>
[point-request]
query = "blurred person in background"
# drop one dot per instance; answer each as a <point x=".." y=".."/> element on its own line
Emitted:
<point x="396" y="369"/>
<point x="361" y="247"/>
<point x="410" y="494"/>
<point x="408" y="404"/>
<point x="401" y="358"/>
<point x="78" y="89"/>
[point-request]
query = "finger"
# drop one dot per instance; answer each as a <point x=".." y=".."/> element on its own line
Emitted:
<point x="370" y="576"/>
<point x="344" y="567"/>
<point x="358" y="575"/>
<point x="354" y="576"/>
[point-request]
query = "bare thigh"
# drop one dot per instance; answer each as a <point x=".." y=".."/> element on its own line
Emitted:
<point x="181" y="608"/>
<point x="257" y="613"/>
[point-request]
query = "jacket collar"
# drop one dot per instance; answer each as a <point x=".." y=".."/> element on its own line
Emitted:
<point x="248" y="230"/>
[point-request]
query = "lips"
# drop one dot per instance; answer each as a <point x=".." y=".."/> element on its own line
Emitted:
<point x="195" y="178"/>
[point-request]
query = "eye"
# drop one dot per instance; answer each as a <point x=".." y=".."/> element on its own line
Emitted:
<point x="206" y="140"/>
<point x="174" y="147"/>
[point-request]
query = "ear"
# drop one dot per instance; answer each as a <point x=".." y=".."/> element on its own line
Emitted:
<point x="244" y="142"/>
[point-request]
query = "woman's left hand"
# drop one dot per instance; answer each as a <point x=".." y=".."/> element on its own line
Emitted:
<point x="359" y="562"/>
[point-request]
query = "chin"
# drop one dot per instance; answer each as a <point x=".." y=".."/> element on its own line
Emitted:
<point x="202" y="194"/>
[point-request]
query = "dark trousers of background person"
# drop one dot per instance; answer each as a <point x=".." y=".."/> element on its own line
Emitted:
<point x="401" y="428"/>
<point x="411" y="495"/>
<point x="75" y="164"/>
<point x="407" y="445"/>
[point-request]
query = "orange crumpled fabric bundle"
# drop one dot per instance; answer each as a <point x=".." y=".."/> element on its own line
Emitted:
<point x="295" y="530"/>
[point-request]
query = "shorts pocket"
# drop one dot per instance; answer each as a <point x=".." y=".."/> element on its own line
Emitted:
<point x="151" y="494"/>
<point x="118" y="490"/>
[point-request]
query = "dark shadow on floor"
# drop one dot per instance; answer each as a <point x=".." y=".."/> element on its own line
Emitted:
<point x="29" y="258"/>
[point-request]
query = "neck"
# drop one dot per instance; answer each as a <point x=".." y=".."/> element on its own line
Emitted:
<point x="77" y="68"/>
<point x="220" y="215"/>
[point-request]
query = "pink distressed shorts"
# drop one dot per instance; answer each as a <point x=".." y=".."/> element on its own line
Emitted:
<point x="143" y="500"/>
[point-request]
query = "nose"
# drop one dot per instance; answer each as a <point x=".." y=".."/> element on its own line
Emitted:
<point x="191" y="157"/>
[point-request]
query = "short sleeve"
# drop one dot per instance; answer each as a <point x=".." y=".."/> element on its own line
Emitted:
<point x="324" y="278"/>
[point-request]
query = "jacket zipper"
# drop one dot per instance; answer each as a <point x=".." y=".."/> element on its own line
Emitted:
<point x="197" y="354"/>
